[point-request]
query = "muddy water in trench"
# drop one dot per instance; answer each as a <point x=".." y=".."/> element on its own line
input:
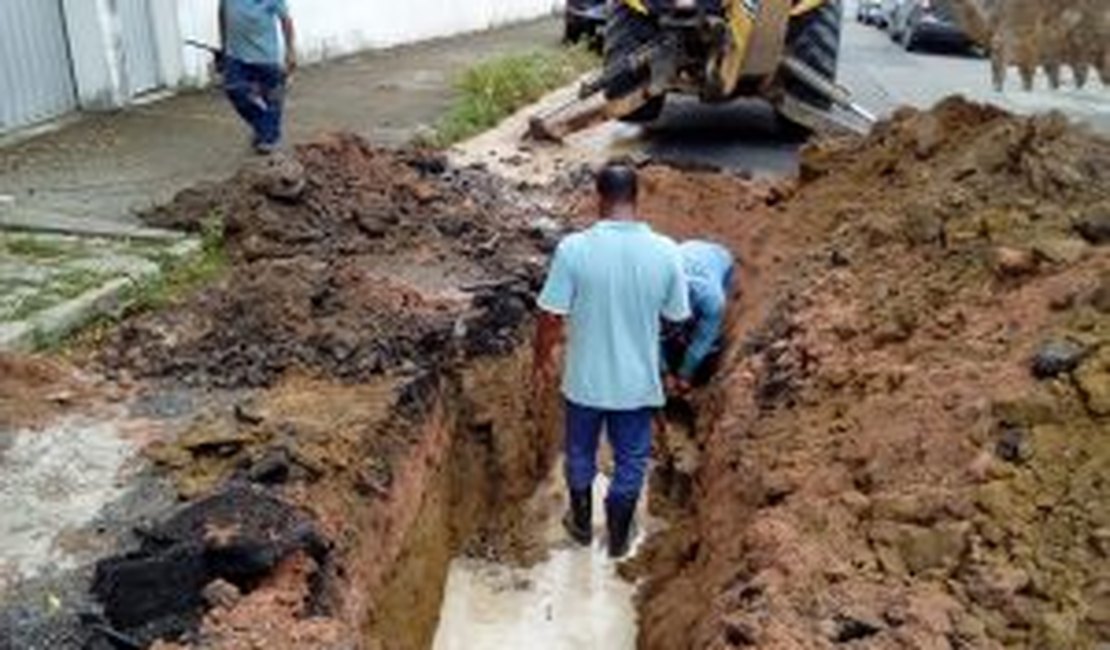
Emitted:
<point x="574" y="599"/>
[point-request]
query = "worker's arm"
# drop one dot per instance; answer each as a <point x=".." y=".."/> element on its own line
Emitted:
<point x="549" y="334"/>
<point x="707" y="331"/>
<point x="289" y="32"/>
<point x="706" y="334"/>
<point x="676" y="306"/>
<point x="555" y="303"/>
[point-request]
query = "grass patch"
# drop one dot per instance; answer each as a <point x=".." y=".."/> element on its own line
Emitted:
<point x="493" y="90"/>
<point x="179" y="277"/>
<point x="182" y="276"/>
<point x="61" y="288"/>
<point x="36" y="248"/>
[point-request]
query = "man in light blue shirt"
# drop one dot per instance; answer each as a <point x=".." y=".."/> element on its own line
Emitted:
<point x="254" y="76"/>
<point x="611" y="285"/>
<point x="709" y="275"/>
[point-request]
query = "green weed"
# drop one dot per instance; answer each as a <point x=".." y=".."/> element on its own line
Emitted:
<point x="36" y="248"/>
<point x="179" y="277"/>
<point x="182" y="276"/>
<point x="492" y="90"/>
<point x="61" y="288"/>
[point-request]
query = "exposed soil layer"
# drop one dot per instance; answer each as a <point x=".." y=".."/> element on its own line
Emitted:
<point x="910" y="444"/>
<point x="371" y="324"/>
<point x="34" y="389"/>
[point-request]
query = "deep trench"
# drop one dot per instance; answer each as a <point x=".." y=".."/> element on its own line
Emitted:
<point x="499" y="442"/>
<point x="485" y="500"/>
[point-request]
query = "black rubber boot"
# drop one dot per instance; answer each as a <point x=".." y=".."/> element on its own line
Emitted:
<point x="619" y="515"/>
<point x="579" y="518"/>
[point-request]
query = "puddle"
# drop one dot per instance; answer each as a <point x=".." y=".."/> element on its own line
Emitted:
<point x="52" y="482"/>
<point x="573" y="600"/>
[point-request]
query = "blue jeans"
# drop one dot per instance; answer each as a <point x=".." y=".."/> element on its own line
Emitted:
<point x="257" y="91"/>
<point x="630" y="436"/>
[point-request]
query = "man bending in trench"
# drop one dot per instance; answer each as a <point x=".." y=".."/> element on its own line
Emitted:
<point x="690" y="350"/>
<point x="610" y="285"/>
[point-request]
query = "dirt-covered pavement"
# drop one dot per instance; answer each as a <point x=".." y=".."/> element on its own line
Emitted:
<point x="907" y="445"/>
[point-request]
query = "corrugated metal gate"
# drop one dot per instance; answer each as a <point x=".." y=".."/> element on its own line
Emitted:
<point x="140" y="50"/>
<point x="36" y="74"/>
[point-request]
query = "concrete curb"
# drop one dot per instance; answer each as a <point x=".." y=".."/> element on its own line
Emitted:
<point x="13" y="220"/>
<point x="65" y="318"/>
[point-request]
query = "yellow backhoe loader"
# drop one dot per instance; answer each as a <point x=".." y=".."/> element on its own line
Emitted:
<point x="786" y="51"/>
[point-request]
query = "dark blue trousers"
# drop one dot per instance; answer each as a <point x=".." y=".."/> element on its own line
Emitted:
<point x="630" y="436"/>
<point x="257" y="91"/>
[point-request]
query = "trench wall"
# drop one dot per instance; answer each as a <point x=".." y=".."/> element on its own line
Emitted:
<point x="485" y="447"/>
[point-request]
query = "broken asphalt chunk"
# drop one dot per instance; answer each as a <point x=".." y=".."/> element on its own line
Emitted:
<point x="1095" y="226"/>
<point x="1057" y="357"/>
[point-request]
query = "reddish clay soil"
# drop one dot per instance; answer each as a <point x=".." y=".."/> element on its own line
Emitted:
<point x="878" y="465"/>
<point x="35" y="389"/>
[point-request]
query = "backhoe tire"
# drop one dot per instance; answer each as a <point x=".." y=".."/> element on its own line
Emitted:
<point x="626" y="32"/>
<point x="814" y="39"/>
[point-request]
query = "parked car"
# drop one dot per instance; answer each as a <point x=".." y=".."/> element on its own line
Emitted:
<point x="870" y="12"/>
<point x="927" y="22"/>
<point x="583" y="19"/>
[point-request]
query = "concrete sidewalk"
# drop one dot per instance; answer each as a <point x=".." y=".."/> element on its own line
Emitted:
<point x="93" y="175"/>
<point x="106" y="167"/>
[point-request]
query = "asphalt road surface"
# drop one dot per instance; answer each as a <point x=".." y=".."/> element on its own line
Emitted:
<point x="882" y="76"/>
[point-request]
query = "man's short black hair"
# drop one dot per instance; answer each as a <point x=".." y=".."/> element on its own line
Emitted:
<point x="616" y="183"/>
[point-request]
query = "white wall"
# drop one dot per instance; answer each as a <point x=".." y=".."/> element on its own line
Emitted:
<point x="94" y="53"/>
<point x="328" y="28"/>
<point x="97" y="50"/>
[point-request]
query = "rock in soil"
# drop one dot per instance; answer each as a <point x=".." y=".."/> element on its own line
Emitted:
<point x="237" y="536"/>
<point x="1095" y="226"/>
<point x="1056" y="358"/>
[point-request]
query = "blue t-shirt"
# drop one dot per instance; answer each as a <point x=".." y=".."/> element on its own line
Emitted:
<point x="613" y="282"/>
<point x="708" y="268"/>
<point x="252" y="30"/>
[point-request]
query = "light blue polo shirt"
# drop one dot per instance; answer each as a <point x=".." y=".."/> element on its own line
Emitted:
<point x="252" y="30"/>
<point x="613" y="283"/>
<point x="709" y="269"/>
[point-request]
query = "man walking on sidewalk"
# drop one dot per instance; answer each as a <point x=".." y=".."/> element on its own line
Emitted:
<point x="254" y="76"/>
<point x="610" y="285"/>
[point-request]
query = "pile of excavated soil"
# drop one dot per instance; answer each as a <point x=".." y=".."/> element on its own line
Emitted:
<point x="910" y="445"/>
<point x="348" y="261"/>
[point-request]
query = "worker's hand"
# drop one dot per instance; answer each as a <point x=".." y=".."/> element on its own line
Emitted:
<point x="677" y="386"/>
<point x="543" y="374"/>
